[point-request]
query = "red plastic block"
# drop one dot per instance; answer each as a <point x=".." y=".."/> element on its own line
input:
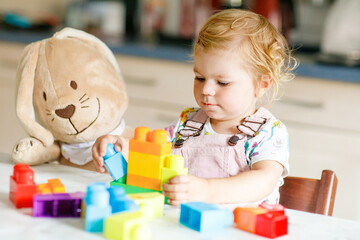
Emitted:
<point x="22" y="186"/>
<point x="273" y="208"/>
<point x="271" y="224"/>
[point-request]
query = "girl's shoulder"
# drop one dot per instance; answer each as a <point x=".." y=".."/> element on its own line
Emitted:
<point x="186" y="113"/>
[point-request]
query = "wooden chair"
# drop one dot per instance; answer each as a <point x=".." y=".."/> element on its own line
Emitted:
<point x="310" y="195"/>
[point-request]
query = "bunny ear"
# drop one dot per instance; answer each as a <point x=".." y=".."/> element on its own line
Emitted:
<point x="24" y="100"/>
<point x="74" y="33"/>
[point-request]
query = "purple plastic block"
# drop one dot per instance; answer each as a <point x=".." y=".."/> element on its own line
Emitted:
<point x="58" y="204"/>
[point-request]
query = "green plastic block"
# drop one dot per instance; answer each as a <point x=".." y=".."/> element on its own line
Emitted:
<point x="131" y="189"/>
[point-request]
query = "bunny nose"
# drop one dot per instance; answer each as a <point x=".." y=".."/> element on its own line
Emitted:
<point x="66" y="112"/>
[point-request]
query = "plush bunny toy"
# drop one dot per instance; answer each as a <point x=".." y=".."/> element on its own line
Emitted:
<point x="70" y="91"/>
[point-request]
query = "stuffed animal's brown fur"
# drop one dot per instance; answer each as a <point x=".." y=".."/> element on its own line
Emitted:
<point x="70" y="90"/>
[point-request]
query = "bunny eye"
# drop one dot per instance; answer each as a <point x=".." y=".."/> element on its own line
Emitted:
<point x="73" y="84"/>
<point x="44" y="96"/>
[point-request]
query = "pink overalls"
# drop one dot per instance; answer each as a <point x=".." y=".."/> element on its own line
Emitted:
<point x="216" y="155"/>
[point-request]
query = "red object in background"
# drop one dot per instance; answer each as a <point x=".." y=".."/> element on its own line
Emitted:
<point x="271" y="224"/>
<point x="22" y="186"/>
<point x="269" y="9"/>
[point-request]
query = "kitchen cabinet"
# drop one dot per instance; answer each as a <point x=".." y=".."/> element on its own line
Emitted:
<point x="321" y="116"/>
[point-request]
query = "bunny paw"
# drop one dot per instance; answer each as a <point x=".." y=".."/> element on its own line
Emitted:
<point x="31" y="151"/>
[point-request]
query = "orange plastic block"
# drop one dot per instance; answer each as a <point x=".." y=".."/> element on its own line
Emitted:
<point x="52" y="186"/>
<point x="143" y="182"/>
<point x="145" y="164"/>
<point x="154" y="143"/>
<point x="245" y="218"/>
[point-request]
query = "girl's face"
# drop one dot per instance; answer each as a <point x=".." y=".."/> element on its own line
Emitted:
<point x="222" y="86"/>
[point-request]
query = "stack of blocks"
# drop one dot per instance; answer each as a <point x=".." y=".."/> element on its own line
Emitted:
<point x="120" y="216"/>
<point x="266" y="220"/>
<point x="150" y="162"/>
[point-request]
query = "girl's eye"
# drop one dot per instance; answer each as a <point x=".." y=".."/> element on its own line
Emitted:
<point x="200" y="79"/>
<point x="223" y="83"/>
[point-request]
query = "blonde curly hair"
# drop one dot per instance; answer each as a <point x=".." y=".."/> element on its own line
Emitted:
<point x="262" y="47"/>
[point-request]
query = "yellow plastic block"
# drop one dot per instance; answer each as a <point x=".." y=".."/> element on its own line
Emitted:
<point x="174" y="166"/>
<point x="245" y="218"/>
<point x="145" y="164"/>
<point x="154" y="143"/>
<point x="127" y="226"/>
<point x="43" y="188"/>
<point x="151" y="203"/>
<point x="56" y="185"/>
<point x="143" y="182"/>
<point x="52" y="186"/>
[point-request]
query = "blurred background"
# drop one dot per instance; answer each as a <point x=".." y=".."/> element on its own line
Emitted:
<point x="152" y="42"/>
<point x="321" y="27"/>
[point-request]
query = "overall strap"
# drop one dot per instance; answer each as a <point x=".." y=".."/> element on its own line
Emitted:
<point x="253" y="123"/>
<point x="193" y="125"/>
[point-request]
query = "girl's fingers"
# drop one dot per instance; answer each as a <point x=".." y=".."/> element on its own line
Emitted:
<point x="184" y="179"/>
<point x="175" y="187"/>
<point x="177" y="196"/>
<point x="176" y="202"/>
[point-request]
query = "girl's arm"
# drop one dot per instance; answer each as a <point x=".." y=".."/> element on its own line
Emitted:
<point x="251" y="186"/>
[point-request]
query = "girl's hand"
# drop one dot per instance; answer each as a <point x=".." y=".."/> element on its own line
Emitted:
<point x="99" y="149"/>
<point x="186" y="188"/>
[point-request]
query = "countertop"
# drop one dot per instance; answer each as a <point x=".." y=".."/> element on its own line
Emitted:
<point x="308" y="66"/>
<point x="19" y="224"/>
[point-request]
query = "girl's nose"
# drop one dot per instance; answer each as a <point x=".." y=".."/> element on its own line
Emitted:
<point x="208" y="89"/>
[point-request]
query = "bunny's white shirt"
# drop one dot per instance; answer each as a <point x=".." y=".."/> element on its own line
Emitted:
<point x="80" y="153"/>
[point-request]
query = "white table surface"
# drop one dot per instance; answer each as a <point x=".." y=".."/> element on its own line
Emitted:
<point x="19" y="224"/>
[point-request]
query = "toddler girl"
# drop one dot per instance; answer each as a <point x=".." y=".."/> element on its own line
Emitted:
<point x="235" y="152"/>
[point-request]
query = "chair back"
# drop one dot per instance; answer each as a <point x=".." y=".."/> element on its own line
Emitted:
<point x="310" y="195"/>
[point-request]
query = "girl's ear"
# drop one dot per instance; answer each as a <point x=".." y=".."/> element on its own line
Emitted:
<point x="264" y="85"/>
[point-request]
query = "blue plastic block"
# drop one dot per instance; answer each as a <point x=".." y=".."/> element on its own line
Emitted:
<point x="115" y="162"/>
<point x="205" y="217"/>
<point x="97" y="206"/>
<point x="120" y="202"/>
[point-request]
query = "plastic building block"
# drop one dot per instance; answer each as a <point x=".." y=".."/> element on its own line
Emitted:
<point x="154" y="143"/>
<point x="147" y="152"/>
<point x="58" y="205"/>
<point x="151" y="203"/>
<point x="146" y="165"/>
<point x="52" y="186"/>
<point x="22" y="186"/>
<point x="245" y="218"/>
<point x="131" y="189"/>
<point x="273" y="208"/>
<point x="268" y="220"/>
<point x="120" y="202"/>
<point x="115" y="162"/>
<point x="204" y="217"/>
<point x="271" y="224"/>
<point x="97" y="206"/>
<point x="143" y="182"/>
<point x="174" y="165"/>
<point x="127" y="226"/>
